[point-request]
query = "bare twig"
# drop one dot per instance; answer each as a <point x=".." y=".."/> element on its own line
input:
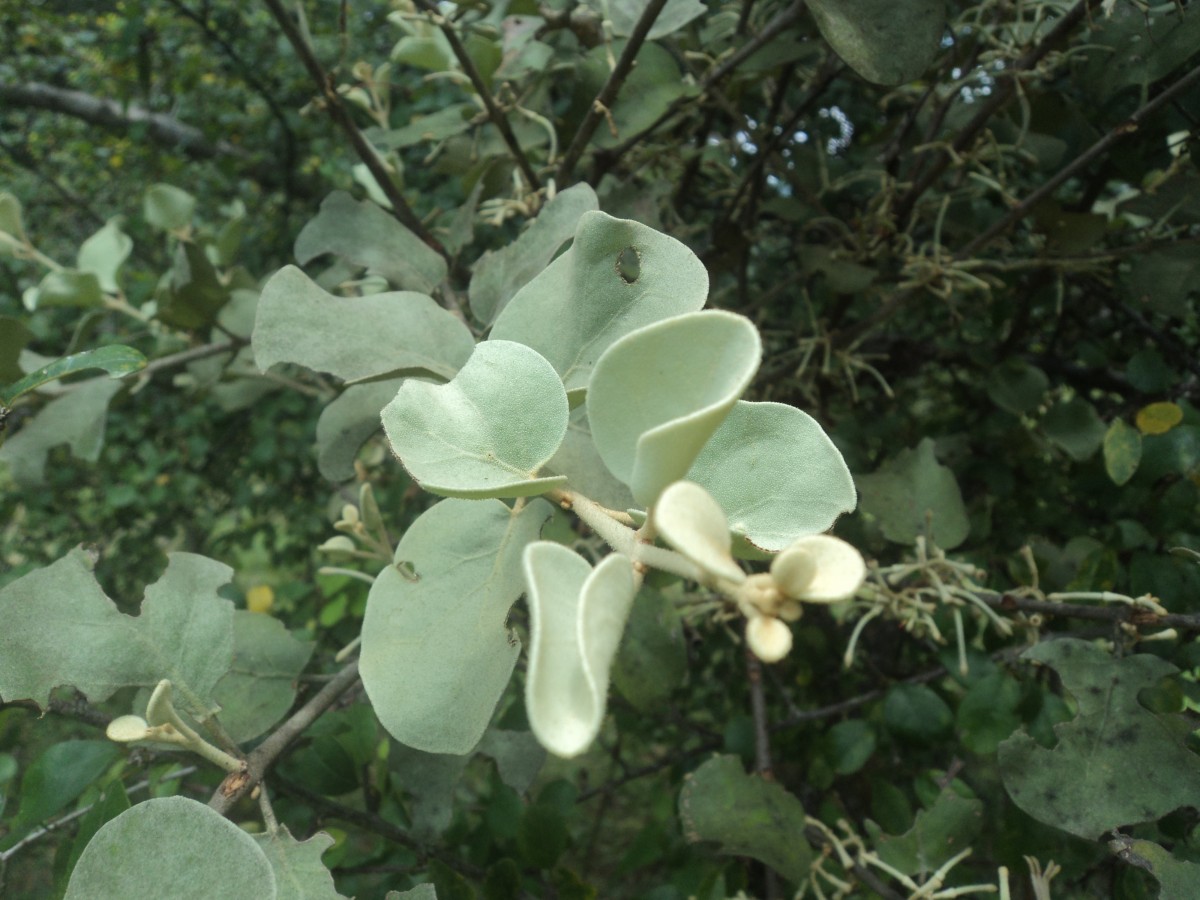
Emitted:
<point x="341" y="115"/>
<point x="608" y="93"/>
<point x="494" y="112"/>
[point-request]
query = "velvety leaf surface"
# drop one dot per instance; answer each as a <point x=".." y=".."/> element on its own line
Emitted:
<point x="1116" y="763"/>
<point x="499" y="274"/>
<point x="366" y="235"/>
<point x="882" y="40"/>
<point x="347" y="422"/>
<point x="746" y="815"/>
<point x="439" y="643"/>
<point x="57" y="627"/>
<point x="167" y="848"/>
<point x="938" y="834"/>
<point x="776" y="474"/>
<point x="355" y="337"/>
<point x="578" y="459"/>
<point x="487" y="432"/>
<point x="299" y="872"/>
<point x="260" y="685"/>
<point x="617" y="276"/>
<point x="908" y="487"/>
<point x="657" y="395"/>
<point x="577" y="615"/>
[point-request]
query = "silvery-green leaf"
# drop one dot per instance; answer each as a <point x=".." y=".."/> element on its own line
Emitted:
<point x="577" y="615"/>
<point x="168" y="208"/>
<point x="355" y="337"/>
<point x="299" y="872"/>
<point x="499" y="274"/>
<point x="347" y="422"/>
<point x="488" y="431"/>
<point x="172" y="847"/>
<point x="436" y="654"/>
<point x="366" y="235"/>
<point x="912" y="493"/>
<point x="578" y="459"/>
<point x="658" y="394"/>
<point x="103" y="253"/>
<point x="617" y="276"/>
<point x="688" y="518"/>
<point x="776" y="474"/>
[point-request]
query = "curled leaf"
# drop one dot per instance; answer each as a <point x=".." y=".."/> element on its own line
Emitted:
<point x="820" y="569"/>
<point x="692" y="522"/>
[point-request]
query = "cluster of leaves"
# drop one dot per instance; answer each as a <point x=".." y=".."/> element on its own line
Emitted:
<point x="964" y="238"/>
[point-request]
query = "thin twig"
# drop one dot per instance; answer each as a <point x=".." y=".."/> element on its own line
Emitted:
<point x="608" y="93"/>
<point x="341" y="115"/>
<point x="494" y="112"/>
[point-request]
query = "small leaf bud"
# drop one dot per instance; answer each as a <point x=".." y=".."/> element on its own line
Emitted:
<point x="769" y="638"/>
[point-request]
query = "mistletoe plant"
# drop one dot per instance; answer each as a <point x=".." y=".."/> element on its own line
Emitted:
<point x="601" y="387"/>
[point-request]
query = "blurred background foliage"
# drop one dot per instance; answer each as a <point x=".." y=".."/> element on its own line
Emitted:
<point x="916" y="293"/>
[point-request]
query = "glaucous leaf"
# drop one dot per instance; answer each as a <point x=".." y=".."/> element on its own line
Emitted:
<point x="617" y="276"/>
<point x="577" y="615"/>
<point x="883" y="41"/>
<point x="103" y="253"/>
<point x="907" y="488"/>
<point x="578" y="459"/>
<point x="488" y="431"/>
<point x="658" y="394"/>
<point x="117" y="360"/>
<point x="362" y="233"/>
<point x="499" y="274"/>
<point x="776" y="474"/>
<point x="938" y="834"/>
<point x="67" y="287"/>
<point x="746" y="815"/>
<point x="355" y="337"/>
<point x="168" y="847"/>
<point x="1085" y="784"/>
<point x="1122" y="451"/>
<point x="299" y="872"/>
<point x="57" y="627"/>
<point x="76" y="418"/>
<point x="347" y="422"/>
<point x="436" y="654"/>
<point x="168" y="208"/>
<point x="260" y="686"/>
<point x="688" y="518"/>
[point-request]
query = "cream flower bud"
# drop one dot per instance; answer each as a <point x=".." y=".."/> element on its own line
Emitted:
<point x="124" y="729"/>
<point x="819" y="569"/>
<point x="768" y="638"/>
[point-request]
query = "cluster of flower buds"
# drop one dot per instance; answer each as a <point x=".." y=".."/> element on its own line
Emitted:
<point x="817" y="568"/>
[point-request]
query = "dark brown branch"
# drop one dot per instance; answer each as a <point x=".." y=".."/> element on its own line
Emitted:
<point x="1118" y="612"/>
<point x="494" y="112"/>
<point x="341" y="115"/>
<point x="237" y="785"/>
<point x="161" y="128"/>
<point x="608" y="93"/>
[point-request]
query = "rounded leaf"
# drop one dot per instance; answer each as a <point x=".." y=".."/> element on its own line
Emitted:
<point x="124" y="729"/>
<point x="820" y="569"/>
<point x="776" y="474"/>
<point x="1122" y="451"/>
<point x="168" y="208"/>
<point x="103" y="254"/>
<point x="171" y="847"/>
<point x="691" y="521"/>
<point x="487" y="432"/>
<point x="658" y="394"/>
<point x="577" y="615"/>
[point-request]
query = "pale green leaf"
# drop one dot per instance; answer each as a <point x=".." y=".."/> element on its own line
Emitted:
<point x="746" y="815"/>
<point x="1086" y="784"/>
<point x="67" y="287"/>
<point x="436" y="654"/>
<point x="577" y="615"/>
<point x="103" y="254"/>
<point x="617" y="276"/>
<point x="347" y="422"/>
<point x="117" y="360"/>
<point x="938" y="834"/>
<point x="517" y="754"/>
<point x="657" y="395"/>
<point x="260" y="686"/>
<point x="10" y="223"/>
<point x="168" y="208"/>
<point x="487" y="432"/>
<point x="76" y="418"/>
<point x="429" y="782"/>
<point x="913" y="492"/>
<point x="676" y="14"/>
<point x="500" y="274"/>
<point x="364" y="234"/>
<point x="57" y="627"/>
<point x="1122" y="451"/>
<point x="776" y="474"/>
<point x="299" y="872"/>
<point x="688" y="518"/>
<point x="578" y="459"/>
<point x="172" y="847"/>
<point x="355" y="337"/>
<point x="884" y="41"/>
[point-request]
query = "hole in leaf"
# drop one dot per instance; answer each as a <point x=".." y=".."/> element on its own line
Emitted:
<point x="629" y="265"/>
